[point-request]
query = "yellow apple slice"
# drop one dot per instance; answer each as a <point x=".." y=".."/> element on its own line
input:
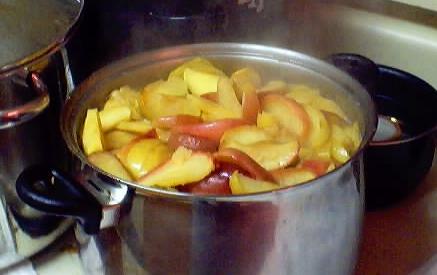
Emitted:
<point x="163" y="134"/>
<point x="302" y="93"/>
<point x="270" y="155"/>
<point x="200" y="83"/>
<point x="227" y="97"/>
<point x="241" y="185"/>
<point x="328" y="105"/>
<point x="128" y="97"/>
<point x="210" y="110"/>
<point x="174" y="87"/>
<point x="138" y="126"/>
<point x="116" y="139"/>
<point x="293" y="176"/>
<point x="198" y="64"/>
<point x="268" y="122"/>
<point x="109" y="118"/>
<point x="184" y="167"/>
<point x="246" y="134"/>
<point x="320" y="130"/>
<point x="110" y="164"/>
<point x="290" y="114"/>
<point x="341" y="144"/>
<point x="274" y="86"/>
<point x="92" y="139"/>
<point x="246" y="79"/>
<point x="156" y="105"/>
<point x="250" y="105"/>
<point x="141" y="156"/>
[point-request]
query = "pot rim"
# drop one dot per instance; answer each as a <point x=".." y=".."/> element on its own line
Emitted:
<point x="56" y="45"/>
<point x="168" y="53"/>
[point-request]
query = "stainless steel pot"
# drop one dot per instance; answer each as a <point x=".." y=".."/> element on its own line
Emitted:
<point x="313" y="228"/>
<point x="33" y="87"/>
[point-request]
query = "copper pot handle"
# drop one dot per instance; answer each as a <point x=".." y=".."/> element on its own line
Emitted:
<point x="14" y="116"/>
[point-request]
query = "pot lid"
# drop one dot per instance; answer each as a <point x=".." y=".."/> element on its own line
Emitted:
<point x="29" y="28"/>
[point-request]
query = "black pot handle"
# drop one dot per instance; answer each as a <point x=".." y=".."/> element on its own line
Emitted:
<point x="54" y="192"/>
<point x="364" y="70"/>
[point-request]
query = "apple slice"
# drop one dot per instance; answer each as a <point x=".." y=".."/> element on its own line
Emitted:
<point x="173" y="87"/>
<point x="163" y="134"/>
<point x="270" y="155"/>
<point x="290" y="114"/>
<point x="319" y="130"/>
<point x="128" y="97"/>
<point x="250" y="105"/>
<point x="227" y="97"/>
<point x="293" y="176"/>
<point x="116" y="139"/>
<point x="302" y="93"/>
<point x="200" y="82"/>
<point x="274" y="86"/>
<point x="210" y="130"/>
<point x="198" y="64"/>
<point x="217" y="183"/>
<point x="245" y="134"/>
<point x="211" y="96"/>
<point x="241" y="185"/>
<point x="184" y="167"/>
<point x="92" y="139"/>
<point x="138" y="126"/>
<point x="246" y="79"/>
<point x="141" y="156"/>
<point x="211" y="110"/>
<point x="109" y="118"/>
<point x="168" y="122"/>
<point x="318" y="166"/>
<point x="110" y="164"/>
<point x="156" y="105"/>
<point x="191" y="142"/>
<point x="243" y="161"/>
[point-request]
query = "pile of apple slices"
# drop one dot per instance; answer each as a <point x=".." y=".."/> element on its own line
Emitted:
<point x="203" y="132"/>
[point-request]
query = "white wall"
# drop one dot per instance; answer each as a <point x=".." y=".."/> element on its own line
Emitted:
<point x="428" y="4"/>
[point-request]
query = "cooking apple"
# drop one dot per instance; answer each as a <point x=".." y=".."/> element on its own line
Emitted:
<point x="202" y="132"/>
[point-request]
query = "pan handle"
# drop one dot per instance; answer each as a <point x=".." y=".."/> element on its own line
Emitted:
<point x="364" y="70"/>
<point x="54" y="192"/>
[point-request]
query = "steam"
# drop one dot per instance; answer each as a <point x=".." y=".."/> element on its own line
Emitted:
<point x="253" y="4"/>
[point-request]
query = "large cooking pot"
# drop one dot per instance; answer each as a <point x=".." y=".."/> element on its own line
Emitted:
<point x="34" y="77"/>
<point x="313" y="228"/>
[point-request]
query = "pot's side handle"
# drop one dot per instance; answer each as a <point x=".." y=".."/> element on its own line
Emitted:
<point x="50" y="190"/>
<point x="20" y="114"/>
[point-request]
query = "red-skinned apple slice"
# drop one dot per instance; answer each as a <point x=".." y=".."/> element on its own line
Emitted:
<point x="211" y="96"/>
<point x="185" y="166"/>
<point x="290" y="114"/>
<point x="191" y="142"/>
<point x="246" y="163"/>
<point x="319" y="167"/>
<point x="167" y="122"/>
<point x="293" y="176"/>
<point x="210" y="130"/>
<point x="217" y="183"/>
<point x="251" y="106"/>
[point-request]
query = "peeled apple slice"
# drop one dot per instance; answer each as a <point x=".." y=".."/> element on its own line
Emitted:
<point x="245" y="80"/>
<point x="138" y="127"/>
<point x="110" y="164"/>
<point x="293" y="176"/>
<point x="184" y="167"/>
<point x="200" y="83"/>
<point x="241" y="184"/>
<point x="142" y="156"/>
<point x="116" y="139"/>
<point x="92" y="140"/>
<point x="198" y="64"/>
<point x="109" y="118"/>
